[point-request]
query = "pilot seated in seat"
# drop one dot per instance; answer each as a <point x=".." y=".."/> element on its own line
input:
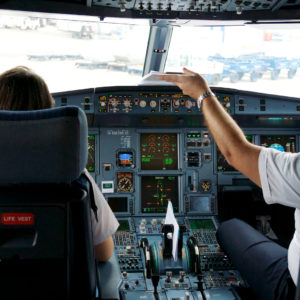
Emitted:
<point x="21" y="89"/>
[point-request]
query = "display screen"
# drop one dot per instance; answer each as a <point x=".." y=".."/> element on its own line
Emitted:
<point x="200" y="204"/>
<point x="124" y="158"/>
<point x="157" y="191"/>
<point x="159" y="151"/>
<point x="202" y="224"/>
<point x="124" y="225"/>
<point x="91" y="154"/>
<point x="118" y="204"/>
<point x="222" y="163"/>
<point x="283" y="143"/>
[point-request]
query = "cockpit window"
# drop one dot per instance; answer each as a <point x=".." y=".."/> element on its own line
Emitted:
<point x="255" y="58"/>
<point x="72" y="52"/>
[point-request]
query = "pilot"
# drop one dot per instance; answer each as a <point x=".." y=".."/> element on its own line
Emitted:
<point x="22" y="89"/>
<point x="270" y="270"/>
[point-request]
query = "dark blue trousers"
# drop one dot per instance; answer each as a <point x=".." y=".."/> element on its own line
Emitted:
<point x="262" y="263"/>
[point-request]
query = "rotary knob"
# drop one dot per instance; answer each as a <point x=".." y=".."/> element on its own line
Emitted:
<point x="143" y="103"/>
<point x="154" y="222"/>
<point x="127" y="103"/>
<point x="152" y="103"/>
<point x="176" y="103"/>
<point x="143" y="222"/>
<point x="114" y="103"/>
<point x="188" y="104"/>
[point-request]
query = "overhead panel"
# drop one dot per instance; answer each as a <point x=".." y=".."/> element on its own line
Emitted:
<point x="214" y="6"/>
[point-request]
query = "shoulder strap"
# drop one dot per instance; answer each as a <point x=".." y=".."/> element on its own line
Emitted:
<point x="92" y="196"/>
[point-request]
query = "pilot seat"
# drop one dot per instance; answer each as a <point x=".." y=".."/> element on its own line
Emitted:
<point x="46" y="247"/>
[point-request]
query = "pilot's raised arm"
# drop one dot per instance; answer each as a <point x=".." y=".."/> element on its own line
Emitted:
<point x="270" y="270"/>
<point x="238" y="151"/>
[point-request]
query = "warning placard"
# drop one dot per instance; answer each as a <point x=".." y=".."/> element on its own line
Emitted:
<point x="17" y="219"/>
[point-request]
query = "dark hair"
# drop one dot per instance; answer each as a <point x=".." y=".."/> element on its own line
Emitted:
<point x="22" y="89"/>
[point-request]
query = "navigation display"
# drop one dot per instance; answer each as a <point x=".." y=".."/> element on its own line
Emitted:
<point x="118" y="204"/>
<point x="91" y="154"/>
<point x="222" y="163"/>
<point x="283" y="143"/>
<point x="159" y="151"/>
<point x="157" y="191"/>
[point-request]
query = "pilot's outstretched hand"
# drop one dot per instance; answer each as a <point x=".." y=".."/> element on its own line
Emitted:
<point x="191" y="83"/>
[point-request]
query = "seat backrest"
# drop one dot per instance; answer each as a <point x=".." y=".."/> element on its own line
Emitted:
<point x="46" y="249"/>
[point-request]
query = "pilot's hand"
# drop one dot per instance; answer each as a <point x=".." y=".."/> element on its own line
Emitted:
<point x="191" y="83"/>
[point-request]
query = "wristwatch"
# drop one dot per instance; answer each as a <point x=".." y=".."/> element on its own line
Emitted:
<point x="203" y="96"/>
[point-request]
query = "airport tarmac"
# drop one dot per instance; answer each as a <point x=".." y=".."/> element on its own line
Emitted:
<point x="63" y="75"/>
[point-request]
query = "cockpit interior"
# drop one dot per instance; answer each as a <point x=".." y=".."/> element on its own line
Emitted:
<point x="148" y="143"/>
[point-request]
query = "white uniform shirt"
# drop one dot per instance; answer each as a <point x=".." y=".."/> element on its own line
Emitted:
<point x="107" y="223"/>
<point x="280" y="180"/>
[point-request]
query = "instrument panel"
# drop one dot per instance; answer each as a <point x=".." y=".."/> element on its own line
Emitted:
<point x="148" y="146"/>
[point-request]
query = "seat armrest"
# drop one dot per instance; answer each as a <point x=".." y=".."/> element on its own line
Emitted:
<point x="109" y="278"/>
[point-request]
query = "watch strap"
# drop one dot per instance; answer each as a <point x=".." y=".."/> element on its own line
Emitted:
<point x="203" y="96"/>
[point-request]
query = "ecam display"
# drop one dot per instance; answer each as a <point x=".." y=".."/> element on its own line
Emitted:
<point x="159" y="151"/>
<point x="157" y="191"/>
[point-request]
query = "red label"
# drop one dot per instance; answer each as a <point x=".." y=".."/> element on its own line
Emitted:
<point x="17" y="219"/>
